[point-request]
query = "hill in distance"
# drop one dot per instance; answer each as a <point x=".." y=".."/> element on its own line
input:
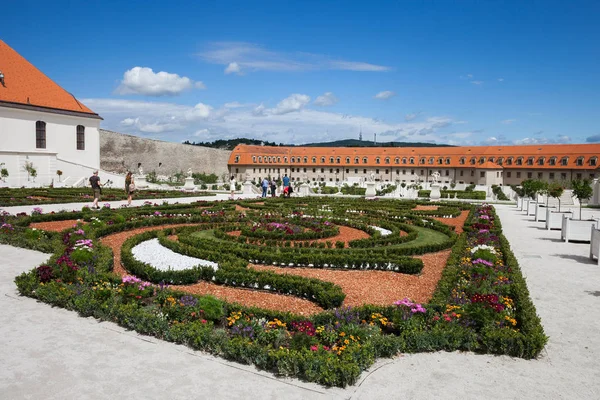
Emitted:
<point x="231" y="143"/>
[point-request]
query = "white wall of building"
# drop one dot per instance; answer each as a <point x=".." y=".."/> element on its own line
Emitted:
<point x="18" y="146"/>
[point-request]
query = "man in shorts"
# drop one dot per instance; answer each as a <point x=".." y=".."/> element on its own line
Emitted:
<point x="95" y="183"/>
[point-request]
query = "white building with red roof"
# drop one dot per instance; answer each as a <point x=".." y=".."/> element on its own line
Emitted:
<point x="44" y="127"/>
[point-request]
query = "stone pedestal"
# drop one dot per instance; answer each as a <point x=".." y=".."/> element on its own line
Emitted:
<point x="371" y="191"/>
<point x="435" y="192"/>
<point x="219" y="184"/>
<point x="140" y="182"/>
<point x="304" y="190"/>
<point x="248" y="188"/>
<point x="189" y="184"/>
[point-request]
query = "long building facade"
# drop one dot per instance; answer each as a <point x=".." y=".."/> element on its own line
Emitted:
<point x="479" y="165"/>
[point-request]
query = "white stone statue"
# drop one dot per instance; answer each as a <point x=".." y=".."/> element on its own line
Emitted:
<point x="372" y="177"/>
<point x="435" y="177"/>
<point x="141" y="171"/>
<point x="189" y="172"/>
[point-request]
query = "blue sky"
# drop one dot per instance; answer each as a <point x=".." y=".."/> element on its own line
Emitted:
<point x="464" y="72"/>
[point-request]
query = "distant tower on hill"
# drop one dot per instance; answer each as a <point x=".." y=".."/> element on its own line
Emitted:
<point x="374" y="138"/>
<point x="360" y="134"/>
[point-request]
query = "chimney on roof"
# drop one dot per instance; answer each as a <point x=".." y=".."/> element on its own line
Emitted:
<point x="2" y="79"/>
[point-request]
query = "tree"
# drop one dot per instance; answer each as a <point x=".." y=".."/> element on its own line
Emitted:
<point x="582" y="190"/>
<point x="3" y="172"/>
<point x="556" y="190"/>
<point x="532" y="187"/>
<point x="59" y="173"/>
<point x="30" y="169"/>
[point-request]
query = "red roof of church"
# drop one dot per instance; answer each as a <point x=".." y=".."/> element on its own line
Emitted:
<point x="27" y="86"/>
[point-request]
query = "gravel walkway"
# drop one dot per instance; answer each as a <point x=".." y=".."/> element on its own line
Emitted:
<point x="155" y="254"/>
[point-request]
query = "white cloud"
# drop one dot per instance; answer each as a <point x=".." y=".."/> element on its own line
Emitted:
<point x="233" y="68"/>
<point x="508" y="121"/>
<point x="470" y="76"/>
<point x="500" y="79"/>
<point x="477" y="82"/>
<point x="153" y="127"/>
<point x="202" y="133"/>
<point x="411" y="116"/>
<point x="387" y="94"/>
<point x="233" y="104"/>
<point x="327" y="99"/>
<point x="294" y="102"/>
<point x="259" y="122"/>
<point x="144" y="81"/>
<point x="200" y="111"/>
<point x="242" y="56"/>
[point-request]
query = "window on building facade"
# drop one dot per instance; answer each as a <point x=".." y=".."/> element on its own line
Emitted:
<point x="398" y="172"/>
<point x="331" y="160"/>
<point x="322" y="170"/>
<point x="377" y="160"/>
<point x="403" y="160"/>
<point x="563" y="176"/>
<point x="377" y="171"/>
<point x="355" y="171"/>
<point x="564" y="161"/>
<point x="431" y="160"/>
<point x="347" y="160"/>
<point x="491" y="159"/>
<point x="482" y="174"/>
<point x="579" y="161"/>
<point x="518" y="174"/>
<point x="237" y="159"/>
<point x="422" y="161"/>
<point x="254" y="159"/>
<point x="447" y="160"/>
<point x="356" y="160"/>
<point x="462" y="161"/>
<point x="552" y="161"/>
<point x="347" y="171"/>
<point x="551" y="175"/>
<point x="322" y="159"/>
<point x="440" y="160"/>
<point x="541" y="160"/>
<point x="509" y="161"/>
<point x="472" y="173"/>
<point x="508" y="174"/>
<point x="461" y="173"/>
<point x="365" y="160"/>
<point x="331" y="170"/>
<point x="285" y="160"/>
<point x="387" y="160"/>
<point x="481" y="160"/>
<point x="530" y="175"/>
<point x="519" y="161"/>
<point x="593" y="161"/>
<point x="579" y="175"/>
<point x="397" y="160"/>
<point x="473" y="160"/>
<point x="293" y="159"/>
<point x="40" y="135"/>
<point x="364" y="171"/>
<point x="338" y="160"/>
<point x="305" y="160"/>
<point x="530" y="161"/>
<point x="80" y="137"/>
<point x="412" y="160"/>
<point x="447" y="172"/>
<point x="500" y="160"/>
<point x="314" y="170"/>
<point x="387" y="171"/>
<point x="540" y="175"/>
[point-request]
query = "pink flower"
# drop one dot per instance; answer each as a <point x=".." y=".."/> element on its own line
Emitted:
<point x="314" y="348"/>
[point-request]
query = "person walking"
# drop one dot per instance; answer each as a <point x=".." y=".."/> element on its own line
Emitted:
<point x="97" y="188"/>
<point x="273" y="187"/>
<point x="129" y="187"/>
<point x="286" y="181"/>
<point x="265" y="186"/>
<point x="232" y="184"/>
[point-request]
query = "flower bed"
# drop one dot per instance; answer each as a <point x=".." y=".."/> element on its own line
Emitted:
<point x="480" y="303"/>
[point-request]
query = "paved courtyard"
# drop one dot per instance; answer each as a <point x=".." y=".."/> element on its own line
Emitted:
<point x="51" y="353"/>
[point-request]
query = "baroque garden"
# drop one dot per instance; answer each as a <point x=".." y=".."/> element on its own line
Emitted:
<point x="316" y="288"/>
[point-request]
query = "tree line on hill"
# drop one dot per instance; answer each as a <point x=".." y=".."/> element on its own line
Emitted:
<point x="230" y="144"/>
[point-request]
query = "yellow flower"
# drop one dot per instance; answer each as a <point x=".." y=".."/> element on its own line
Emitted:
<point x="342" y="334"/>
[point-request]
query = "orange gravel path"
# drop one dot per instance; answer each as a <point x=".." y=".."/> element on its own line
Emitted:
<point x="55" y="226"/>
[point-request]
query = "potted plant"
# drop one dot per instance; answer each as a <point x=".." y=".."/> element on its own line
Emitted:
<point x="30" y="169"/>
<point x="582" y="190"/>
<point x="59" y="173"/>
<point x="554" y="218"/>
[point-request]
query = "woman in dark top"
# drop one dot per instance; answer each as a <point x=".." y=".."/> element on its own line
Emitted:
<point x="129" y="187"/>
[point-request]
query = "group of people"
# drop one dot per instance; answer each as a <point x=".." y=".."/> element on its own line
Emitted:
<point x="97" y="188"/>
<point x="272" y="184"/>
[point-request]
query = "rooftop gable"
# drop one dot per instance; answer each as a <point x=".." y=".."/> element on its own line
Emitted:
<point x="27" y="86"/>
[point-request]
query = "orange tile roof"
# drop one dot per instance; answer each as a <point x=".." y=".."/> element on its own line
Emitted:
<point x="450" y="156"/>
<point x="26" y="85"/>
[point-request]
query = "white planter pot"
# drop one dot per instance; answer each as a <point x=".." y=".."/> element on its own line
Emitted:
<point x="595" y="244"/>
<point x="554" y="218"/>
<point x="540" y="212"/>
<point x="531" y="207"/>
<point x="577" y="229"/>
<point x="519" y="202"/>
